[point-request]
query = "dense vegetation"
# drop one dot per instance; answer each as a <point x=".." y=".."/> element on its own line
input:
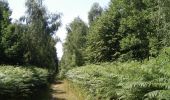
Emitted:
<point x="126" y="30"/>
<point x="125" y="52"/>
<point x="18" y="82"/>
<point x="124" y="81"/>
<point x="75" y="44"/>
<point x="27" y="42"/>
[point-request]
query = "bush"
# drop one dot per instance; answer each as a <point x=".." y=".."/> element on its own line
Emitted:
<point x="149" y="80"/>
<point x="21" y="82"/>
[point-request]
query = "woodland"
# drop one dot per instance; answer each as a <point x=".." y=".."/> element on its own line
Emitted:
<point x="122" y="53"/>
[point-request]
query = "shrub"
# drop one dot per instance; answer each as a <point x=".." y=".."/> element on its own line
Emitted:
<point x="149" y="80"/>
<point x="21" y="82"/>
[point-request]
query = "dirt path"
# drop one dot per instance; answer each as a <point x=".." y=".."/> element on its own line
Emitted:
<point x="61" y="92"/>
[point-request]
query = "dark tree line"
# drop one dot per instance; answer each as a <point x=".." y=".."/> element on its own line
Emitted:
<point x="74" y="47"/>
<point x="127" y="30"/>
<point x="29" y="40"/>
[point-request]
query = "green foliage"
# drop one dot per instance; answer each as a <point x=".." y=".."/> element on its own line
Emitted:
<point x="128" y="31"/>
<point x="164" y="19"/>
<point x="4" y="22"/>
<point x="133" y="30"/>
<point x="12" y="45"/>
<point x="39" y="44"/>
<point x="102" y="40"/>
<point x="74" y="45"/>
<point x="94" y="12"/>
<point x="21" y="82"/>
<point x="125" y="81"/>
<point x="29" y="41"/>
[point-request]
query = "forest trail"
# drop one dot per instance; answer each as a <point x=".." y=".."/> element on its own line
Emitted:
<point x="61" y="91"/>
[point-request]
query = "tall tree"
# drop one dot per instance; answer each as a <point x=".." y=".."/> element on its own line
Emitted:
<point x="95" y="11"/>
<point x="75" y="44"/>
<point x="164" y="20"/>
<point x="40" y="46"/>
<point x="4" y="23"/>
<point x="102" y="39"/>
<point x="127" y="30"/>
<point x="30" y="42"/>
<point x="134" y="28"/>
<point x="13" y="45"/>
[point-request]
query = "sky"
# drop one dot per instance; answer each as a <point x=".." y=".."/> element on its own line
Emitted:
<point x="69" y="9"/>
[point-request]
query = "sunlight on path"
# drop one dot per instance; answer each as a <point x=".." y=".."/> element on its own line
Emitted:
<point x="60" y="92"/>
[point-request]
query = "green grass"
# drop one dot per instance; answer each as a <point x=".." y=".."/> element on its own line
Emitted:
<point x="21" y="82"/>
<point x="149" y="80"/>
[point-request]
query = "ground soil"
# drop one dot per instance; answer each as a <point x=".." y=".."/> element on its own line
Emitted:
<point x="60" y="91"/>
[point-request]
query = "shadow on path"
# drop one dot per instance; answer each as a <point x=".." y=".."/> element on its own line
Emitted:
<point x="57" y="91"/>
<point x="60" y="91"/>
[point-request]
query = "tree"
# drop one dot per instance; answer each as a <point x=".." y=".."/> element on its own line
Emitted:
<point x="29" y="41"/>
<point x="40" y="46"/>
<point x="102" y="39"/>
<point x="75" y="43"/>
<point x="134" y="28"/>
<point x="95" y="11"/>
<point x="127" y="30"/>
<point x="164" y="20"/>
<point x="13" y="45"/>
<point x="4" y="23"/>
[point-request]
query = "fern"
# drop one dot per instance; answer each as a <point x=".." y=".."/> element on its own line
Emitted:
<point x="149" y="80"/>
<point x="158" y="95"/>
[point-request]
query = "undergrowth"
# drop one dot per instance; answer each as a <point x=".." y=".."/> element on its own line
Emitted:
<point x="21" y="82"/>
<point x="148" y="80"/>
